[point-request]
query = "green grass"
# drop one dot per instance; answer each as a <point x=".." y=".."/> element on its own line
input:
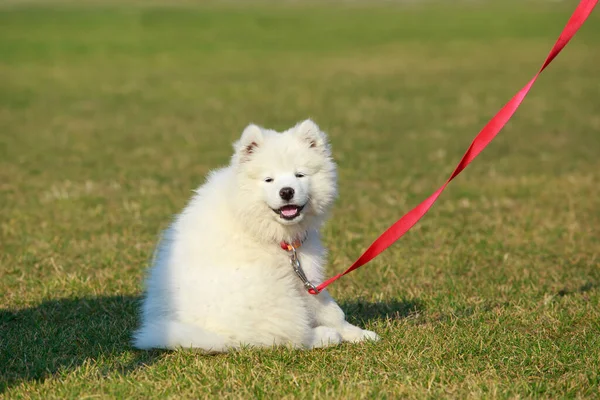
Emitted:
<point x="110" y="115"/>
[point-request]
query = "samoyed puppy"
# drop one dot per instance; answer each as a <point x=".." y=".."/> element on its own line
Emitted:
<point x="222" y="277"/>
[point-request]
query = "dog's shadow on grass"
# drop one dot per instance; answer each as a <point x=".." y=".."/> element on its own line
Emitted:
<point x="361" y="312"/>
<point x="63" y="334"/>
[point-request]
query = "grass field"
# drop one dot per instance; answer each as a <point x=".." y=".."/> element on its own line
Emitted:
<point x="111" y="114"/>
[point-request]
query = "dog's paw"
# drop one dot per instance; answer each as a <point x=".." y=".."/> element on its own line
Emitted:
<point x="324" y="336"/>
<point x="369" y="335"/>
<point x="355" y="335"/>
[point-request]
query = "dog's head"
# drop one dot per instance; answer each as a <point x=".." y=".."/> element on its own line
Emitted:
<point x="286" y="180"/>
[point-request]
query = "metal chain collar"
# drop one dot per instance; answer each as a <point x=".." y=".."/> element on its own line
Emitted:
<point x="295" y="262"/>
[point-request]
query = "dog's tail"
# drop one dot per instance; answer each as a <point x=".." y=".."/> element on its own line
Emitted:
<point x="173" y="334"/>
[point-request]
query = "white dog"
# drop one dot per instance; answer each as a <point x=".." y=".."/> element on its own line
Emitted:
<point x="221" y="277"/>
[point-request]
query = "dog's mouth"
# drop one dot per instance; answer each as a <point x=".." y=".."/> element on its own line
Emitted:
<point x="289" y="211"/>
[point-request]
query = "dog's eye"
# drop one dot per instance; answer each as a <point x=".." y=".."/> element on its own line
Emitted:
<point x="268" y="180"/>
<point x="300" y="175"/>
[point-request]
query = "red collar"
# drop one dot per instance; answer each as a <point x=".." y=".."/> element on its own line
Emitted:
<point x="295" y="245"/>
<point x="289" y="246"/>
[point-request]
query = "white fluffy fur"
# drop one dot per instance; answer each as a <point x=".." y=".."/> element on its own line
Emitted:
<point x="220" y="280"/>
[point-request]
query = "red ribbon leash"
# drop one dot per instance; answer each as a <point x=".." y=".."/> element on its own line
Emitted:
<point x="485" y="136"/>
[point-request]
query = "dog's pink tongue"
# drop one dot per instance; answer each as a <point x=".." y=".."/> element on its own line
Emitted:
<point x="289" y="211"/>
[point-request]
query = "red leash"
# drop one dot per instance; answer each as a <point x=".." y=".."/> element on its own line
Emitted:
<point x="484" y="137"/>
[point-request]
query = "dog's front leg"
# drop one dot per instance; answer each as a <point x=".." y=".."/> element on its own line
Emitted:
<point x="328" y="313"/>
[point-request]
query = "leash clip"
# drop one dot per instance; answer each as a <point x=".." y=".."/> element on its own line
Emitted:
<point x="295" y="262"/>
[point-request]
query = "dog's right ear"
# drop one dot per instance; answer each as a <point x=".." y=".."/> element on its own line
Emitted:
<point x="312" y="135"/>
<point x="251" y="139"/>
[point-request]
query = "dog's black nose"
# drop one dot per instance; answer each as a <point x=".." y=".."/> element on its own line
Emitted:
<point x="286" y="193"/>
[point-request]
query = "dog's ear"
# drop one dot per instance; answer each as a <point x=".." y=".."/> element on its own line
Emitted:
<point x="312" y="135"/>
<point x="251" y="139"/>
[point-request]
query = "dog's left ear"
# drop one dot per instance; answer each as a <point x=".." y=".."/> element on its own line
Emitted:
<point x="312" y="135"/>
<point x="252" y="138"/>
